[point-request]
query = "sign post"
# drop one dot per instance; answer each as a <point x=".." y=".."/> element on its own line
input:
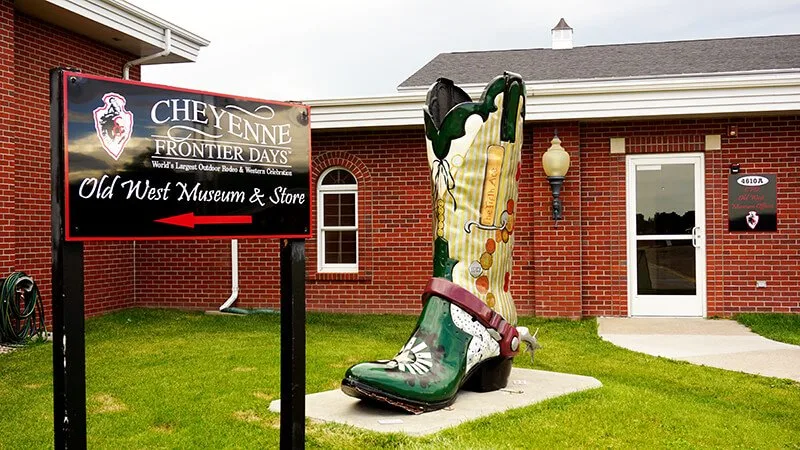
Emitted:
<point x="293" y="343"/>
<point x="69" y="362"/>
<point x="136" y="161"/>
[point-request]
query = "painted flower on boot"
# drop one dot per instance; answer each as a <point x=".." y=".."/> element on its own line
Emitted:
<point x="414" y="357"/>
<point x="417" y="362"/>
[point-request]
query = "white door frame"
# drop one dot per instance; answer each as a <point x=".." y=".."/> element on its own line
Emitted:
<point x="672" y="305"/>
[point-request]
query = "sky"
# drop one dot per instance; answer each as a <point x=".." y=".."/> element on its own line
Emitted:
<point x="320" y="49"/>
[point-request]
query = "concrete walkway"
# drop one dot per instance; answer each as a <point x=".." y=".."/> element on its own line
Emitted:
<point x="725" y="344"/>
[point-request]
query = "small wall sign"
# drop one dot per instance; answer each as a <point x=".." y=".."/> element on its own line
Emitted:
<point x="752" y="202"/>
<point x="153" y="162"/>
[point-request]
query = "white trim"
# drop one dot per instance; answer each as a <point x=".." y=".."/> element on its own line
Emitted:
<point x="129" y="20"/>
<point x="396" y="110"/>
<point x="478" y="87"/>
<point x="674" y="305"/>
<point x="322" y="266"/>
<point x="702" y="94"/>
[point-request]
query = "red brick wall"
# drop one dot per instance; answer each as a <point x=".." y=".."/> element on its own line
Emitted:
<point x="734" y="260"/>
<point x="38" y="47"/>
<point x="395" y="242"/>
<point x="196" y="274"/>
<point x="7" y="137"/>
<point x="397" y="257"/>
<point x="603" y="249"/>
<point x="763" y="145"/>
<point x="556" y="255"/>
<point x="577" y="268"/>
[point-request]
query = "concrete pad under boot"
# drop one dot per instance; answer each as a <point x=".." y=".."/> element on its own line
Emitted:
<point x="525" y="387"/>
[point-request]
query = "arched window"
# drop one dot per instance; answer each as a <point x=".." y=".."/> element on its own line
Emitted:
<point x="337" y="221"/>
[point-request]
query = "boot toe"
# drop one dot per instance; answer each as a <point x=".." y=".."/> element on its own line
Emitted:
<point x="377" y="376"/>
<point x="383" y="378"/>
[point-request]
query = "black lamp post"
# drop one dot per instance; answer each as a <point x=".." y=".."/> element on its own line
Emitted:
<point x="556" y="164"/>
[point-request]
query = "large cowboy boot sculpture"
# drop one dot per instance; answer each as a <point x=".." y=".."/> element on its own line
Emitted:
<point x="466" y="335"/>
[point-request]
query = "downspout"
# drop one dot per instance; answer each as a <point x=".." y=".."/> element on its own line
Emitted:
<point x="234" y="275"/>
<point x="126" y="69"/>
<point x="167" y="50"/>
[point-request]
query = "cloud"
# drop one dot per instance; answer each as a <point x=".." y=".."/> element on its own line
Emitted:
<point x="323" y="49"/>
<point x="88" y="158"/>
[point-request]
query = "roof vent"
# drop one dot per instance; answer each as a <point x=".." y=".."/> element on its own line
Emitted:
<point x="562" y="35"/>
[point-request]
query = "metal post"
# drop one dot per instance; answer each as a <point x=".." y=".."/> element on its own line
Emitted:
<point x="69" y="357"/>
<point x="293" y="343"/>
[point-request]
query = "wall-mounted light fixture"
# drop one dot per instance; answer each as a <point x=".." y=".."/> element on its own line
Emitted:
<point x="556" y="164"/>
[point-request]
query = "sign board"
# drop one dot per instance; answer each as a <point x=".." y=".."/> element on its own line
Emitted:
<point x="752" y="202"/>
<point x="153" y="162"/>
<point x="131" y="160"/>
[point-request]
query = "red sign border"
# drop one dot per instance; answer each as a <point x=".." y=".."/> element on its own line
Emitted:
<point x="65" y="126"/>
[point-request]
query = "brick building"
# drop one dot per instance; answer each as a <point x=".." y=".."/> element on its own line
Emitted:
<point x="652" y="130"/>
<point x="97" y="37"/>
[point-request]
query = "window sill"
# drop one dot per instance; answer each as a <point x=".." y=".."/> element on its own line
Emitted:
<point x="339" y="276"/>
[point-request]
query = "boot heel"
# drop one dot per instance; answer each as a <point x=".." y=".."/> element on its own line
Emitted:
<point x="490" y="376"/>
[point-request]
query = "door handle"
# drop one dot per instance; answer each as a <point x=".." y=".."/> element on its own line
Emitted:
<point x="696" y="237"/>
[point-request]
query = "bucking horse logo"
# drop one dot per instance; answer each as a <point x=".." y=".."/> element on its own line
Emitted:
<point x="114" y="124"/>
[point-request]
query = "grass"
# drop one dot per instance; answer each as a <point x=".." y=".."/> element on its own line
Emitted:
<point x="168" y="379"/>
<point x="778" y="327"/>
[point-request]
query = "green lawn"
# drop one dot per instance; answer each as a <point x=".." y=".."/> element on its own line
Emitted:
<point x="779" y="327"/>
<point x="167" y="379"/>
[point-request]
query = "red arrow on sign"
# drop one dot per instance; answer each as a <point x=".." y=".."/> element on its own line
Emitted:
<point x="189" y="220"/>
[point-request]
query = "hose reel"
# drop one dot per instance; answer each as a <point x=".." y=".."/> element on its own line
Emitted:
<point x="21" y="310"/>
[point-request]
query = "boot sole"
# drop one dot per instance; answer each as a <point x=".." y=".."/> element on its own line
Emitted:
<point x="487" y="376"/>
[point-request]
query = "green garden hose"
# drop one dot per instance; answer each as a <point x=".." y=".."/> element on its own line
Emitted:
<point x="21" y="310"/>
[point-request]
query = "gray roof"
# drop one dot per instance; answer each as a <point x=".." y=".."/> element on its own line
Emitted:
<point x="615" y="61"/>
<point x="562" y="25"/>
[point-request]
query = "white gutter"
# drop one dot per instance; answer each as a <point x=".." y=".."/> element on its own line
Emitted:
<point x="102" y="20"/>
<point x="762" y="79"/>
<point x="234" y="275"/>
<point x="167" y="49"/>
<point x="146" y="16"/>
<point x="742" y="93"/>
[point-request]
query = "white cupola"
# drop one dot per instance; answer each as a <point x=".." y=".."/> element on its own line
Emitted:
<point x="562" y="35"/>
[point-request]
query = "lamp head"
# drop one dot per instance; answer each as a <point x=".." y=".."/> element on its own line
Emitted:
<point x="555" y="160"/>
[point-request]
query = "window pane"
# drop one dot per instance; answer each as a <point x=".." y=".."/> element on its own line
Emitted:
<point x="666" y="267"/>
<point x="338" y="176"/>
<point x="665" y="199"/>
<point x="347" y="213"/>
<point x="331" y="210"/>
<point x="340" y="247"/>
<point x="339" y="210"/>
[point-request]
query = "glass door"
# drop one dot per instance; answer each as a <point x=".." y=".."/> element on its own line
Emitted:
<point x="666" y="245"/>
